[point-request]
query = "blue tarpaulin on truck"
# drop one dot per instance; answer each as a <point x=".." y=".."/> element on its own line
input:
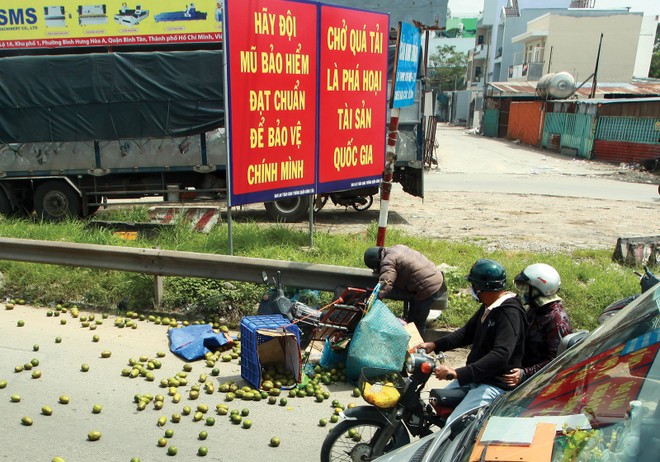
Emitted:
<point x="110" y="96"/>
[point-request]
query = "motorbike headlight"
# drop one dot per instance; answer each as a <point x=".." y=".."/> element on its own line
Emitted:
<point x="410" y="363"/>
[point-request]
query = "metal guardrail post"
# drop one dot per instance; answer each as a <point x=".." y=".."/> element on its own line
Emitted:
<point x="186" y="264"/>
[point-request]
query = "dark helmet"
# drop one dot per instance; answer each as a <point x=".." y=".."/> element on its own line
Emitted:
<point x="372" y="257"/>
<point x="487" y="276"/>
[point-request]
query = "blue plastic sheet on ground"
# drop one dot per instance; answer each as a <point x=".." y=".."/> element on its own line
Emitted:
<point x="193" y="342"/>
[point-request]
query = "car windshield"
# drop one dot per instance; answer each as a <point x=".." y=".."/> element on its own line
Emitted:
<point x="597" y="402"/>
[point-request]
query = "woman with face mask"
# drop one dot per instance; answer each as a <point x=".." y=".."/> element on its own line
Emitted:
<point x="538" y="285"/>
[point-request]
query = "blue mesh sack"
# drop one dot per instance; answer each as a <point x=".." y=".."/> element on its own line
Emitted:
<point x="380" y="341"/>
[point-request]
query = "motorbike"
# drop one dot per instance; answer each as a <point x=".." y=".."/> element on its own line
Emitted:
<point x="275" y="301"/>
<point x="646" y="281"/>
<point x="368" y="432"/>
<point x="360" y="199"/>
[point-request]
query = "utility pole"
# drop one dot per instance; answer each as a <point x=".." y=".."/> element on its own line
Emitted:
<point x="594" y="82"/>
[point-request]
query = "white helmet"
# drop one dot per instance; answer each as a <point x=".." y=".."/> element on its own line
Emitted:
<point x="542" y="277"/>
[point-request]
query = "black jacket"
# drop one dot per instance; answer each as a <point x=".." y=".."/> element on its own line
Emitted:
<point x="498" y="343"/>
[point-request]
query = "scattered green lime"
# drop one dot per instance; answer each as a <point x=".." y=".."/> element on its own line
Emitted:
<point x="3" y="384"/>
<point x="202" y="435"/>
<point x="94" y="435"/>
<point x="274" y="441"/>
<point x="247" y="423"/>
<point x="26" y="421"/>
<point x="162" y="442"/>
<point x="84" y="367"/>
<point x="283" y="401"/>
<point x="96" y="338"/>
<point x="210" y="421"/>
<point x="58" y="339"/>
<point x="334" y="418"/>
<point x="323" y="422"/>
<point x="58" y="459"/>
<point x="35" y="347"/>
<point x="9" y="306"/>
<point x="34" y="362"/>
<point x="18" y="368"/>
<point x="169" y="433"/>
<point x="47" y="410"/>
<point x="202" y="451"/>
<point x="245" y="412"/>
<point x="15" y="398"/>
<point x="172" y="450"/>
<point x="105" y="354"/>
<point x="135" y="459"/>
<point x="20" y="323"/>
<point x="36" y="374"/>
<point x="97" y="408"/>
<point x="62" y="321"/>
<point x="64" y="399"/>
<point x="162" y="421"/>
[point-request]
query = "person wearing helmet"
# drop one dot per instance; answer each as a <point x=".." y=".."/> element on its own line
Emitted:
<point x="406" y="274"/>
<point x="495" y="333"/>
<point x="548" y="322"/>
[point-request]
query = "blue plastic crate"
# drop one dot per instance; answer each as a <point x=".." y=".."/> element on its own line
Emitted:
<point x="251" y="339"/>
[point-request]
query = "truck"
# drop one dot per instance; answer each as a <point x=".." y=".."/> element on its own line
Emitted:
<point x="82" y="125"/>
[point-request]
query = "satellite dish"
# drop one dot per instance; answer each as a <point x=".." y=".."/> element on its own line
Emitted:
<point x="558" y="85"/>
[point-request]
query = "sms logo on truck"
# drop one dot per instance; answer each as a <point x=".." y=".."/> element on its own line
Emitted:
<point x="18" y="17"/>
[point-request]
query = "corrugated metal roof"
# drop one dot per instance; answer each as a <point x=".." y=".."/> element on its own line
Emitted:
<point x="527" y="88"/>
<point x="608" y="100"/>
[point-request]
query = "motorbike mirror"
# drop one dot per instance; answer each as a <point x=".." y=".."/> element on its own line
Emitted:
<point x="264" y="277"/>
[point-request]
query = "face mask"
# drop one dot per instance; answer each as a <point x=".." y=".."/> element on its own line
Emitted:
<point x="475" y="295"/>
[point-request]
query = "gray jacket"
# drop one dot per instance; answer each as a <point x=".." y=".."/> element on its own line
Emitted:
<point x="409" y="270"/>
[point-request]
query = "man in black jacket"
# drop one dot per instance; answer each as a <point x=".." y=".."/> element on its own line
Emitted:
<point x="496" y="334"/>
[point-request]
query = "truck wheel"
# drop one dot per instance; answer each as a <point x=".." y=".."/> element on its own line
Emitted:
<point x="56" y="200"/>
<point x="5" y="204"/>
<point x="288" y="210"/>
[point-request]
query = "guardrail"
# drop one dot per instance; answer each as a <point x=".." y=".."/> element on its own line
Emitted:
<point x="185" y="264"/>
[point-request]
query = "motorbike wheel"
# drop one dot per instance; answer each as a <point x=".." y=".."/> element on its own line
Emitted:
<point x="362" y="207"/>
<point x="353" y="440"/>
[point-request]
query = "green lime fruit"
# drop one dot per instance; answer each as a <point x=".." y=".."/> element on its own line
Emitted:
<point x="15" y="398"/>
<point x="202" y="435"/>
<point x="162" y="442"/>
<point x="247" y="423"/>
<point x="334" y="418"/>
<point x="96" y="338"/>
<point x="210" y="421"/>
<point x="3" y="384"/>
<point x="323" y="422"/>
<point x="47" y="410"/>
<point x="169" y="433"/>
<point x="172" y="450"/>
<point x="84" y="367"/>
<point x="35" y="347"/>
<point x="283" y="402"/>
<point x="64" y="399"/>
<point x="105" y="354"/>
<point x="97" y="408"/>
<point x="20" y="323"/>
<point x="58" y="339"/>
<point x="202" y="451"/>
<point x="36" y="374"/>
<point x="94" y="435"/>
<point x="26" y="421"/>
<point x="245" y="412"/>
<point x="275" y="441"/>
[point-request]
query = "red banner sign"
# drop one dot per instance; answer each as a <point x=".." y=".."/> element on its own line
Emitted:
<point x="353" y="107"/>
<point x="272" y="94"/>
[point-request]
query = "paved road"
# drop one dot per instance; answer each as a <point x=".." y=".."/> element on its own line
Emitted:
<point x="126" y="432"/>
<point x="474" y="163"/>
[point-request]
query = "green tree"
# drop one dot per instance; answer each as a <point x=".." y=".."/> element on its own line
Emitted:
<point x="654" y="72"/>
<point x="448" y="69"/>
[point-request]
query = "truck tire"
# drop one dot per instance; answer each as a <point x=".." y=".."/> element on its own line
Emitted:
<point x="288" y="210"/>
<point x="56" y="200"/>
<point x="5" y="204"/>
